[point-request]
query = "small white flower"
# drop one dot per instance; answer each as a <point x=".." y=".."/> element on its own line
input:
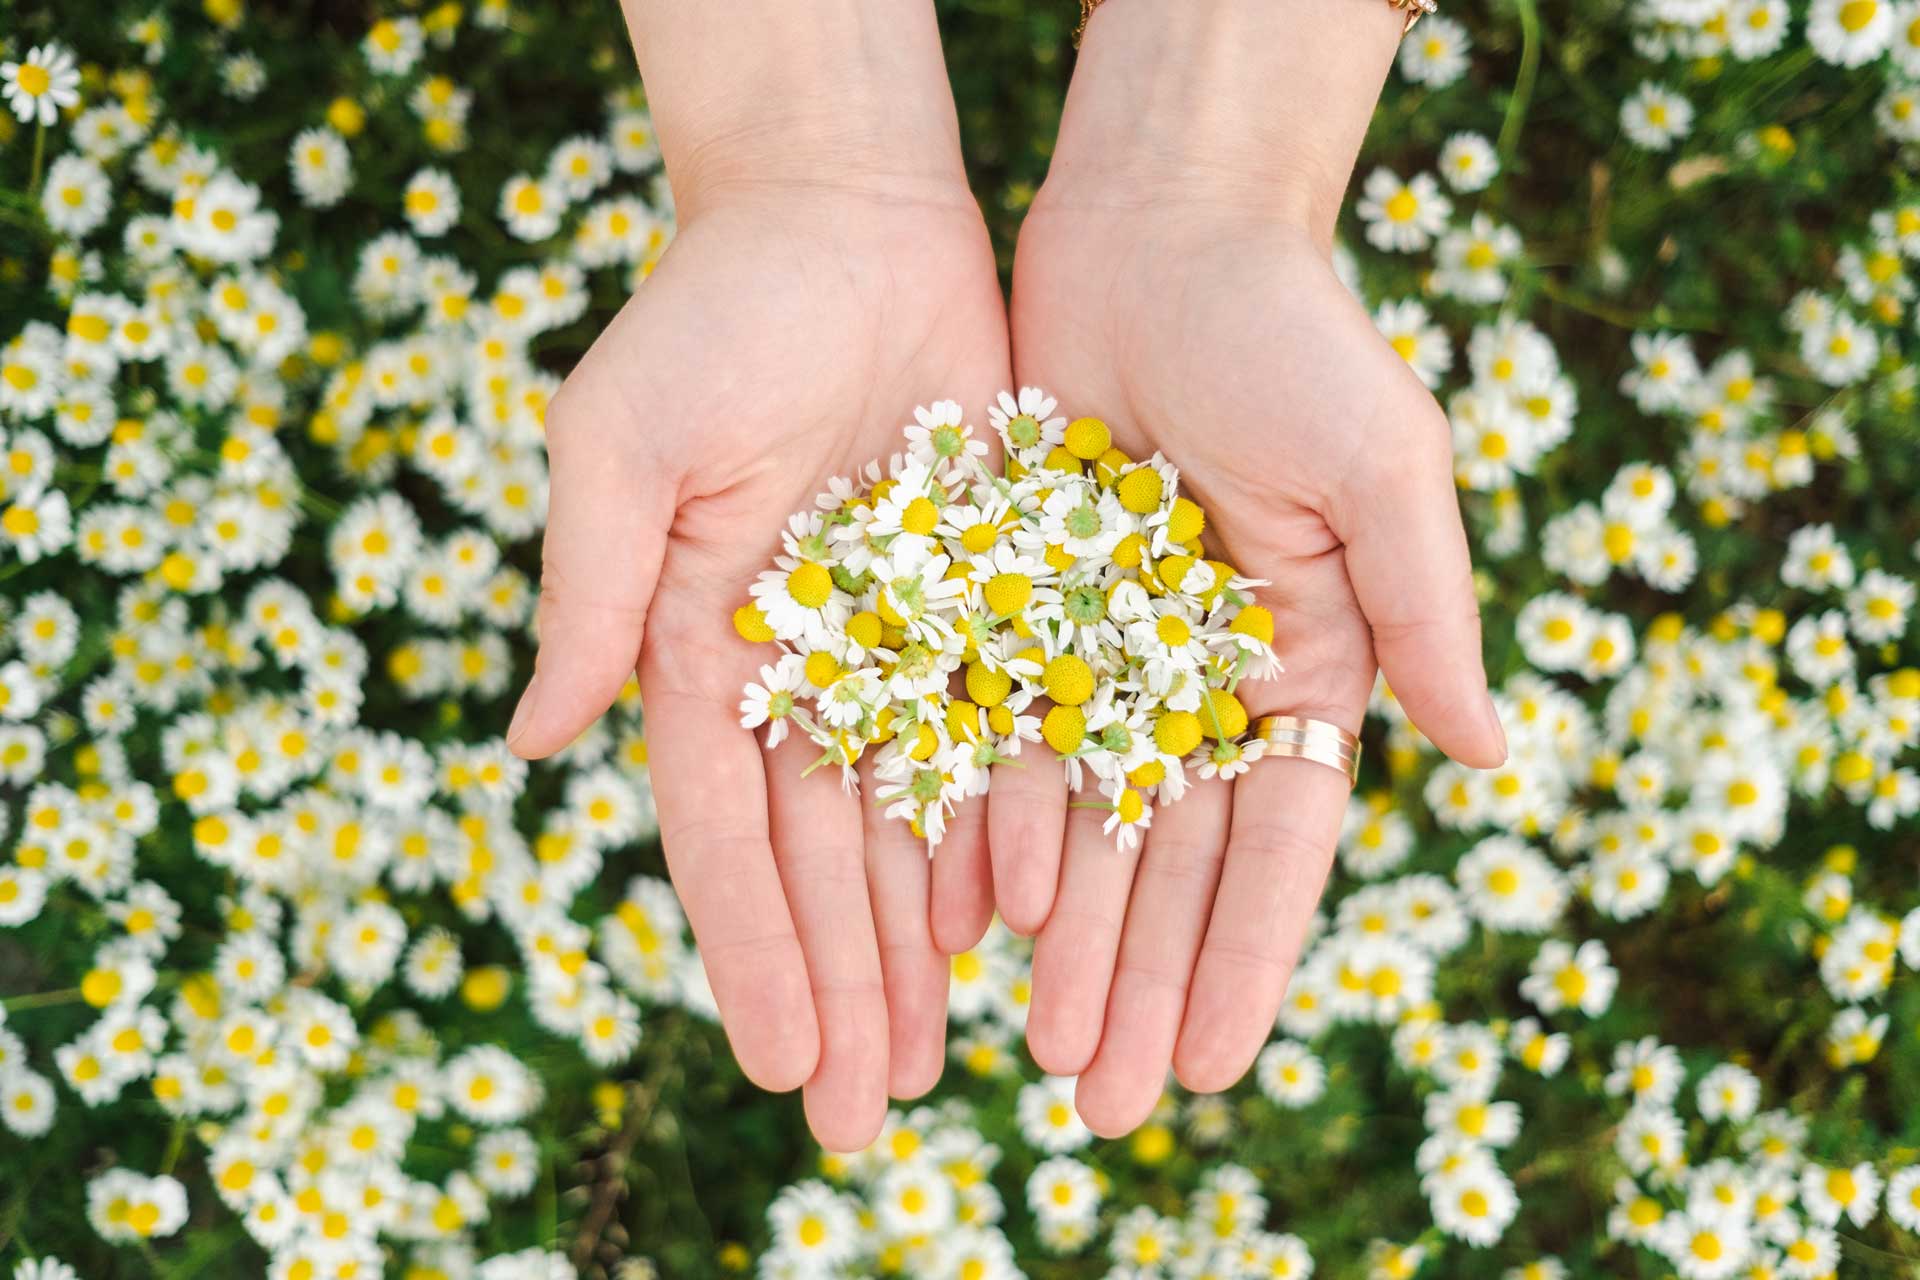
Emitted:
<point x="42" y="85"/>
<point x="1655" y="117"/>
<point x="1435" y="53"/>
<point x="1402" y="216"/>
<point x="1850" y="33"/>
<point x="1468" y="162"/>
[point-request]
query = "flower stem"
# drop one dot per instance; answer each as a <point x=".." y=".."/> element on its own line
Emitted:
<point x="40" y="1000"/>
<point x="39" y="157"/>
<point x="1524" y="80"/>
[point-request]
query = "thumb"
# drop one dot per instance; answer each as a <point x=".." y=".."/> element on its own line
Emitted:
<point x="1407" y="558"/>
<point x="607" y="522"/>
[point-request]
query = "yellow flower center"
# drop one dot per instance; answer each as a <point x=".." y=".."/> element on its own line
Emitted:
<point x="810" y="585"/>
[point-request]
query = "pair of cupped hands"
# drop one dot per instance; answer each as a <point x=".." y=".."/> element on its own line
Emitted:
<point x="1173" y="277"/>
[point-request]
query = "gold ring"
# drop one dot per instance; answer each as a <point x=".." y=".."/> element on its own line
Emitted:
<point x="1320" y="741"/>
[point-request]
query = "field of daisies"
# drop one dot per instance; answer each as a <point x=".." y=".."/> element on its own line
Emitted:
<point x="303" y="976"/>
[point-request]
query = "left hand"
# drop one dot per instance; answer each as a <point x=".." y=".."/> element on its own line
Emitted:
<point x="1195" y="309"/>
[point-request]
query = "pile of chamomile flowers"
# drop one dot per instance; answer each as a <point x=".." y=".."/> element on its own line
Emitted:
<point x="944" y="614"/>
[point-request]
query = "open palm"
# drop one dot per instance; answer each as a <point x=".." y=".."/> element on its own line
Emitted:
<point x="1226" y="341"/>
<point x="782" y="340"/>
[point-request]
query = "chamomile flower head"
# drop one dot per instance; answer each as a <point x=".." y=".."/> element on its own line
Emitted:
<point x="1436" y="54"/>
<point x="1656" y="117"/>
<point x="1849" y="33"/>
<point x="1468" y="162"/>
<point x="1402" y="215"/>
<point x="41" y="85"/>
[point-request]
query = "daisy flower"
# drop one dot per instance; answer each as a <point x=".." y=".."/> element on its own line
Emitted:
<point x="1468" y="162"/>
<point x="1831" y="1193"/>
<point x="1131" y="815"/>
<point x="1027" y="424"/>
<point x="431" y="202"/>
<point x="1654" y="117"/>
<point x="322" y="170"/>
<point x="814" y="1224"/>
<point x="1850" y="33"/>
<point x="1047" y="1117"/>
<point x="939" y="435"/>
<point x="1562" y="977"/>
<point x="42" y="85"/>
<point x="76" y="197"/>
<point x="530" y="208"/>
<point x="1289" y="1074"/>
<point x="1435" y="54"/>
<point x="1402" y="216"/>
<point x="1061" y="1188"/>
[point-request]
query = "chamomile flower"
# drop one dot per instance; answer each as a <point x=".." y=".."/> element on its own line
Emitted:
<point x="1290" y="1075"/>
<point x="431" y="202"/>
<point x="1401" y="215"/>
<point x="1878" y="609"/>
<point x="530" y="208"/>
<point x="1047" y="1117"/>
<point x="1655" y="117"/>
<point x="1830" y="1193"/>
<point x="76" y="196"/>
<point x="1728" y="1092"/>
<point x="1027" y="425"/>
<point x="322" y="170"/>
<point x="1842" y="350"/>
<point x="940" y="434"/>
<point x="28" y="1104"/>
<point x="1436" y="55"/>
<point x="815" y="1225"/>
<point x="41" y="85"/>
<point x="1850" y="33"/>
<point x="1476" y="1206"/>
<point x="1903" y="1198"/>
<point x="1062" y="1189"/>
<point x="1468" y="162"/>
<point x="393" y="45"/>
<point x="1563" y="977"/>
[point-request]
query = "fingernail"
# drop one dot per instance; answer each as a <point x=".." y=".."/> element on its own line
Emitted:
<point x="524" y="712"/>
<point x="1499" y="730"/>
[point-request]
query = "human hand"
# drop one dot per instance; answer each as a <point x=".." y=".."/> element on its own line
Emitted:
<point x="1176" y="280"/>
<point x="825" y="278"/>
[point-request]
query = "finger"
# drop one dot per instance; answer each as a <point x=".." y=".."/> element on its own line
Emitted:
<point x="1173" y="896"/>
<point x="722" y="865"/>
<point x="1407" y="556"/>
<point x="1073" y="955"/>
<point x="818" y="847"/>
<point x="1026" y="824"/>
<point x="914" y="972"/>
<point x="1286" y="818"/>
<point x="962" y="901"/>
<point x="607" y="521"/>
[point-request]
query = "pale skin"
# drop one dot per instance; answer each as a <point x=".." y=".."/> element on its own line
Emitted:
<point x="831" y="271"/>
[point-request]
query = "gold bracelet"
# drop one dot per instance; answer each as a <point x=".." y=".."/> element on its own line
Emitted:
<point x="1414" y="9"/>
<point x="1086" y="11"/>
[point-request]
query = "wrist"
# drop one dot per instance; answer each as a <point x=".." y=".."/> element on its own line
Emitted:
<point x="760" y="95"/>
<point x="1256" y="105"/>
